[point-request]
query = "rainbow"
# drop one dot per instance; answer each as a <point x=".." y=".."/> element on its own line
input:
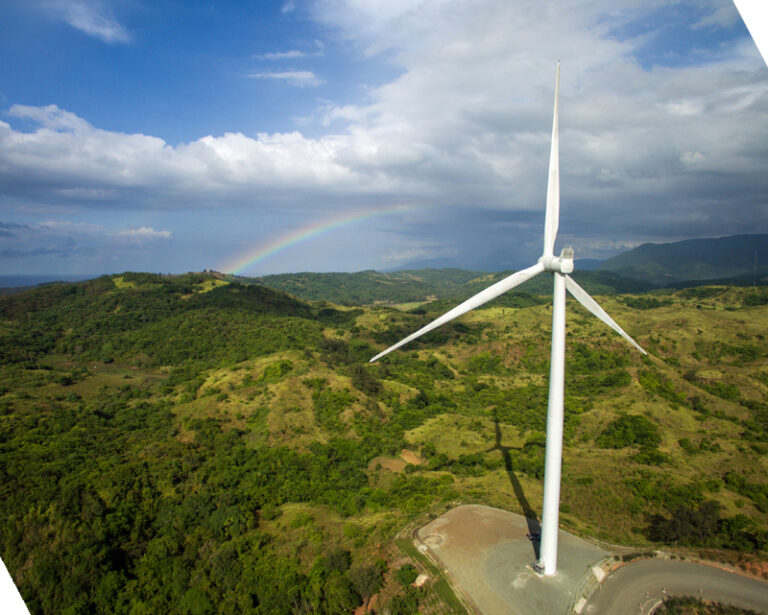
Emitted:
<point x="305" y="233"/>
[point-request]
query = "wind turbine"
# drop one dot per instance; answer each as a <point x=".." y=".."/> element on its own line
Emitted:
<point x="559" y="267"/>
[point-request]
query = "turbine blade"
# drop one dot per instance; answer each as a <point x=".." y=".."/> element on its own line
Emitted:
<point x="588" y="302"/>
<point x="552" y="216"/>
<point x="477" y="300"/>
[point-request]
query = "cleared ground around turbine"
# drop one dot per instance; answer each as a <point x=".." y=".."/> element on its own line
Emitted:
<point x="487" y="554"/>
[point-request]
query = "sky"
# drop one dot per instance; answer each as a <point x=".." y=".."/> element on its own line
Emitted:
<point x="263" y="137"/>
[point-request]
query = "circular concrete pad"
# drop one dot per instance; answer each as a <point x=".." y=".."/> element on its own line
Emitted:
<point x="488" y="555"/>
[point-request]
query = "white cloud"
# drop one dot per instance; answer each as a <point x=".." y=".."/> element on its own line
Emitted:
<point x="685" y="107"/>
<point x="50" y="116"/>
<point x="691" y="159"/>
<point x="72" y="229"/>
<point x="95" y="20"/>
<point x="347" y="113"/>
<point x="144" y="232"/>
<point x="300" y="78"/>
<point x="723" y="14"/>
<point x="65" y="154"/>
<point x="292" y="54"/>
<point x="281" y="55"/>
<point x="92" y="17"/>
<point x="465" y="123"/>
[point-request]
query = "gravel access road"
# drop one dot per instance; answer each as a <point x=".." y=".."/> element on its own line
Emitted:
<point x="638" y="587"/>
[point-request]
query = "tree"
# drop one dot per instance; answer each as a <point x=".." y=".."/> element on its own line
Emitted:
<point x="366" y="580"/>
<point x="340" y="597"/>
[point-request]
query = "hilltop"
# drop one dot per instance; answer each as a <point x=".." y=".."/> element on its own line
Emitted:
<point x="195" y="444"/>
<point x="665" y="264"/>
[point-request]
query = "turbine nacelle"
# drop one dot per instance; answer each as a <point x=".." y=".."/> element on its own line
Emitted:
<point x="558" y="264"/>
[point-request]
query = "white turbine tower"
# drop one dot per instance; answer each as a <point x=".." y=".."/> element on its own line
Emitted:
<point x="559" y="267"/>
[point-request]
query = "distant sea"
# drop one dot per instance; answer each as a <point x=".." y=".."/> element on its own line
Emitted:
<point x="16" y="281"/>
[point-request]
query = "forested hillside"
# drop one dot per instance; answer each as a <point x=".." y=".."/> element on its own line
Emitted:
<point x="420" y="285"/>
<point x="192" y="445"/>
<point x="713" y="258"/>
<point x="369" y="287"/>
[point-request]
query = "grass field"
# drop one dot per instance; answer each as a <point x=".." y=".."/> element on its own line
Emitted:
<point x="643" y="435"/>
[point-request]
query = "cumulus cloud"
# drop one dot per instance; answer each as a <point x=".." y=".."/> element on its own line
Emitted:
<point x="65" y="156"/>
<point x="646" y="151"/>
<point x="300" y="78"/>
<point x="50" y="116"/>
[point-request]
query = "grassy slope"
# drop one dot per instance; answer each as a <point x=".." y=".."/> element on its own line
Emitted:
<point x="672" y="334"/>
<point x="443" y="390"/>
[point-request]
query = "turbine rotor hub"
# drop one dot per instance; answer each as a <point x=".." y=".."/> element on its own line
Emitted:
<point x="559" y="264"/>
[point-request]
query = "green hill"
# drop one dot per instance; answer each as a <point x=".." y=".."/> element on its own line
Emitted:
<point x="158" y="320"/>
<point x="420" y="285"/>
<point x="694" y="259"/>
<point x="369" y="287"/>
<point x="725" y="260"/>
<point x="189" y="444"/>
<point x="594" y="282"/>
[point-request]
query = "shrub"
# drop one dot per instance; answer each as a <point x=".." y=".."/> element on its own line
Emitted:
<point x="338" y="559"/>
<point x="277" y="370"/>
<point x="687" y="525"/>
<point x="629" y="430"/>
<point x="407" y="574"/>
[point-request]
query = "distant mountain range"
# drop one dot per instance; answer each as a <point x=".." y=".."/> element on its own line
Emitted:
<point x="725" y="260"/>
<point x="722" y="258"/>
<point x="660" y="264"/>
<point x="740" y="260"/>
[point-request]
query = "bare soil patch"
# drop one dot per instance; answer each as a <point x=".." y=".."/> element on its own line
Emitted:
<point x="388" y="463"/>
<point x="410" y="457"/>
<point x="396" y="464"/>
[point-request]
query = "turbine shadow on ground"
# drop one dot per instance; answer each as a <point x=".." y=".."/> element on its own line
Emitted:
<point x="534" y="527"/>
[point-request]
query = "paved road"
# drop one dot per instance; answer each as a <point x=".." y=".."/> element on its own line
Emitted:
<point x="636" y="588"/>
